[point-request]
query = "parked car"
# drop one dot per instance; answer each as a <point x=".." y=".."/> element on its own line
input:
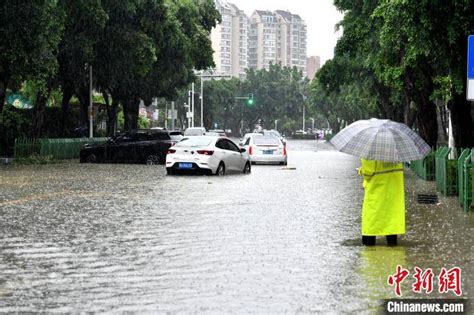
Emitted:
<point x="137" y="146"/>
<point x="266" y="150"/>
<point x="208" y="155"/>
<point x="195" y="131"/>
<point x="246" y="137"/>
<point x="212" y="134"/>
<point x="176" y="135"/>
<point x="220" y="132"/>
<point x="274" y="133"/>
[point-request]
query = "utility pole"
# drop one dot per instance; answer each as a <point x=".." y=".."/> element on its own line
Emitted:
<point x="207" y="76"/>
<point x="304" y="119"/>
<point x="166" y="115"/>
<point x="192" y="104"/>
<point x="202" y="102"/>
<point x="91" y="119"/>
<point x="188" y="114"/>
<point x="172" y="115"/>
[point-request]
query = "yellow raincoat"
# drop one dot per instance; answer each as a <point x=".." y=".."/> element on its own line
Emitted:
<point x="383" y="211"/>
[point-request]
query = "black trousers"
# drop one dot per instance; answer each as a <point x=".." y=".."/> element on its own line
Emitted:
<point x="370" y="240"/>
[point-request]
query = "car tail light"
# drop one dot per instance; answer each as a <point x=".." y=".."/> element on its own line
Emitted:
<point x="205" y="152"/>
<point x="284" y="150"/>
<point x="170" y="151"/>
<point x="250" y="150"/>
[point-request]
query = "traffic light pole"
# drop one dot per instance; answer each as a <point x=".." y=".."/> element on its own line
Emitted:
<point x="249" y="102"/>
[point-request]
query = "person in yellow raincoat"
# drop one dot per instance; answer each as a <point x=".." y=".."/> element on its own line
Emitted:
<point x="383" y="210"/>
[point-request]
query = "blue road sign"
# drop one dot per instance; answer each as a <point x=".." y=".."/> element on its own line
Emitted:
<point x="470" y="57"/>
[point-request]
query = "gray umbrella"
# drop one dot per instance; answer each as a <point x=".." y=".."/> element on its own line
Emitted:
<point x="381" y="140"/>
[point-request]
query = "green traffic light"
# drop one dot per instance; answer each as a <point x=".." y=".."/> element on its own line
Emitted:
<point x="250" y="101"/>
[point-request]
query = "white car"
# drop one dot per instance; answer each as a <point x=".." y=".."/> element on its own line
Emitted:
<point x="210" y="155"/>
<point x="247" y="136"/>
<point x="195" y="131"/>
<point x="274" y="133"/>
<point x="266" y="150"/>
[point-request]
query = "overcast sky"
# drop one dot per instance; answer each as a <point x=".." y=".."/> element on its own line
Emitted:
<point x="320" y="16"/>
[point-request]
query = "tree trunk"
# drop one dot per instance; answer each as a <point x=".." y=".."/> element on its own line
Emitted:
<point x="428" y="122"/>
<point x="65" y="109"/>
<point x="462" y="121"/>
<point x="111" y="114"/>
<point x="84" y="104"/>
<point x="3" y="92"/>
<point x="38" y="115"/>
<point x="67" y="95"/>
<point x="130" y="111"/>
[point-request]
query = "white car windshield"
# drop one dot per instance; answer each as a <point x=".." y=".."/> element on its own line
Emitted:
<point x="194" y="142"/>
<point x="266" y="140"/>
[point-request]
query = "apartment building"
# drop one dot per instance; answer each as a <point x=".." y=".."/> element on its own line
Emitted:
<point x="230" y="40"/>
<point x="277" y="37"/>
<point x="240" y="42"/>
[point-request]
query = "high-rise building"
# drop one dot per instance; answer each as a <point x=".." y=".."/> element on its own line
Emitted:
<point x="266" y="37"/>
<point x="230" y="40"/>
<point x="312" y="66"/>
<point x="262" y="40"/>
<point x="277" y="37"/>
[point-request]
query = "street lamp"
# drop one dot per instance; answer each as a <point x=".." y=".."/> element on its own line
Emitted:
<point x="188" y="114"/>
<point x="304" y="101"/>
<point x="203" y="76"/>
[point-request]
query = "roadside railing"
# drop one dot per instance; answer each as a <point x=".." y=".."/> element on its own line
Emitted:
<point x="425" y="168"/>
<point x="60" y="149"/>
<point x="446" y="172"/>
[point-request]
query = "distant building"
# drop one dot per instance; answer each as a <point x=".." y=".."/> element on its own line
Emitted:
<point x="277" y="37"/>
<point x="230" y="40"/>
<point x="312" y="66"/>
<point x="266" y="37"/>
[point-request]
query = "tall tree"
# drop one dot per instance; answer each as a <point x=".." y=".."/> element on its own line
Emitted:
<point x="29" y="37"/>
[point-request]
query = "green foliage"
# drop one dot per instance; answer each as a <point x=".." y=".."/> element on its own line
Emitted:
<point x="13" y="124"/>
<point x="29" y="38"/>
<point x="143" y="123"/>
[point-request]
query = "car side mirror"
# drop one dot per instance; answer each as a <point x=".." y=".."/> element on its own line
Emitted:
<point x="243" y="150"/>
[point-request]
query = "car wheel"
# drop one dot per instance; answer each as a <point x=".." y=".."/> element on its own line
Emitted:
<point x="247" y="168"/>
<point x="152" y="159"/>
<point x="91" y="158"/>
<point x="169" y="171"/>
<point x="220" y="169"/>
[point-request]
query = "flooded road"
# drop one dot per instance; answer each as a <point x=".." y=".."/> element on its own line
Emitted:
<point x="110" y="238"/>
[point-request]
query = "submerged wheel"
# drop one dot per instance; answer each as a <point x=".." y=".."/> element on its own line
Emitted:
<point x="152" y="159"/>
<point x="91" y="158"/>
<point x="169" y="171"/>
<point x="247" y="168"/>
<point x="220" y="169"/>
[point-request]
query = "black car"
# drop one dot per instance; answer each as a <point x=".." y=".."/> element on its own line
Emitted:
<point x="139" y="146"/>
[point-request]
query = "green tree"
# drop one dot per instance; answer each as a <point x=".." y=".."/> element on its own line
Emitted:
<point x="29" y="36"/>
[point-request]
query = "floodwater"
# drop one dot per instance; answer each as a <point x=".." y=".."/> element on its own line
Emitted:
<point x="112" y="238"/>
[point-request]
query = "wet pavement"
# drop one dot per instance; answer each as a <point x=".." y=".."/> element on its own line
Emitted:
<point x="110" y="238"/>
